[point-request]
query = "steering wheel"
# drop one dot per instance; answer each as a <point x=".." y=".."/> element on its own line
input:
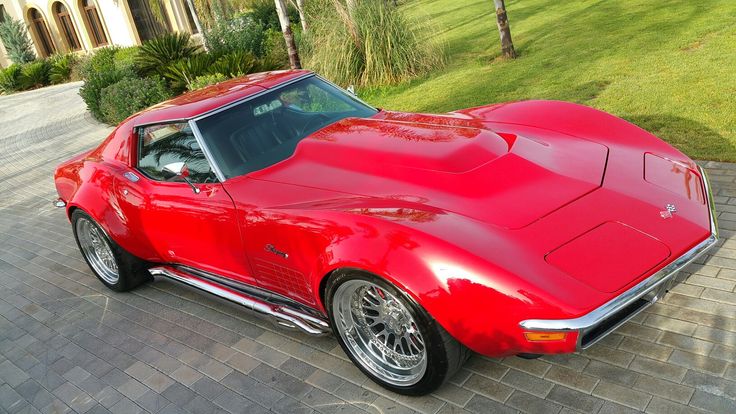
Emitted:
<point x="313" y="120"/>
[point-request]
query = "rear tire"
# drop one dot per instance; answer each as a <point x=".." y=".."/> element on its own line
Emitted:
<point x="116" y="268"/>
<point x="390" y="337"/>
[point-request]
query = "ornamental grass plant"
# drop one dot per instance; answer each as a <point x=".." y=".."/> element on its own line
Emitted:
<point x="374" y="44"/>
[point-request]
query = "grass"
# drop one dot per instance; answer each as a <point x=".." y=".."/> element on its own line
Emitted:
<point x="669" y="66"/>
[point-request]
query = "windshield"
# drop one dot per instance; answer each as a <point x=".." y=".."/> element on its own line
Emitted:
<point x="264" y="130"/>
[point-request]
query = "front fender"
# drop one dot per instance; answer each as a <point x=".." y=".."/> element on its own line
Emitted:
<point x="478" y="303"/>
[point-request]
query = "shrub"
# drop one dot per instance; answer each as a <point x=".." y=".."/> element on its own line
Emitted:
<point x="107" y="59"/>
<point x="77" y="69"/>
<point x="62" y="67"/>
<point x="276" y="56"/>
<point x="184" y="71"/>
<point x="125" y="58"/>
<point x="130" y="95"/>
<point x="264" y="12"/>
<point x="378" y="46"/>
<point x="10" y="79"/>
<point x="105" y="67"/>
<point x="236" y="64"/>
<point x="210" y="11"/>
<point x="91" y="91"/>
<point x="14" y="35"/>
<point x="102" y="60"/>
<point x="242" y="33"/>
<point x="35" y="74"/>
<point x="157" y="53"/>
<point x="206" y="80"/>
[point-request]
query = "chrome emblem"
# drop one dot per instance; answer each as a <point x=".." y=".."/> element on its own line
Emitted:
<point x="272" y="249"/>
<point x="667" y="212"/>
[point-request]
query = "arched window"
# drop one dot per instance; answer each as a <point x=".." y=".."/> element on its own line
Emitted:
<point x="94" y="23"/>
<point x="38" y="25"/>
<point x="148" y="25"/>
<point x="66" y="26"/>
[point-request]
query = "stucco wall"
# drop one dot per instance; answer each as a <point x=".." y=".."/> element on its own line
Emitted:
<point x="114" y="14"/>
<point x="118" y="21"/>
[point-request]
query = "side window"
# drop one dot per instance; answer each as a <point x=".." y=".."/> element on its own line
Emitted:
<point x="164" y="144"/>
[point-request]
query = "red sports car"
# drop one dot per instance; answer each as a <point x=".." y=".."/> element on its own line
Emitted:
<point x="521" y="228"/>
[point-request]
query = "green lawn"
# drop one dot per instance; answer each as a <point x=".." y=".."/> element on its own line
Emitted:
<point x="667" y="65"/>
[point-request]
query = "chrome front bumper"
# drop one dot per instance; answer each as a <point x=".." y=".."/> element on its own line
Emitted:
<point x="596" y="325"/>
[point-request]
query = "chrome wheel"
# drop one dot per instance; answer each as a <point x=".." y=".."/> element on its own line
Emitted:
<point x="97" y="250"/>
<point x="380" y="332"/>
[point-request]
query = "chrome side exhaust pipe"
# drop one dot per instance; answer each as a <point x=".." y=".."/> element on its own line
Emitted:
<point x="282" y="315"/>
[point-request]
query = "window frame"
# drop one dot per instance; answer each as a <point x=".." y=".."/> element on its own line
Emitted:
<point x="41" y="28"/>
<point x="146" y="25"/>
<point x="93" y="23"/>
<point x="65" y="24"/>
<point x="138" y="146"/>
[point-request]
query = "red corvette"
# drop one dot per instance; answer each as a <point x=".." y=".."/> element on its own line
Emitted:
<point x="522" y="228"/>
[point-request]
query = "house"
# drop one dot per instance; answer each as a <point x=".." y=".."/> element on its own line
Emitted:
<point x="59" y="26"/>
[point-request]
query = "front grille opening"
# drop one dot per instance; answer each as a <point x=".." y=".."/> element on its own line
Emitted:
<point x="597" y="332"/>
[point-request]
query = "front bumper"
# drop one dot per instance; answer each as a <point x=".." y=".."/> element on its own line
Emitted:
<point x="597" y="324"/>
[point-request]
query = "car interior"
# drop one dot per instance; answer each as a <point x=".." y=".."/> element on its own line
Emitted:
<point x="251" y="142"/>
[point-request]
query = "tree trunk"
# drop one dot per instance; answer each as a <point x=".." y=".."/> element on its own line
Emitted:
<point x="288" y="35"/>
<point x="302" y="17"/>
<point x="507" y="46"/>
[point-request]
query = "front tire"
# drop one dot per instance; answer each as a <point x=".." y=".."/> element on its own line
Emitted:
<point x="116" y="268"/>
<point x="391" y="339"/>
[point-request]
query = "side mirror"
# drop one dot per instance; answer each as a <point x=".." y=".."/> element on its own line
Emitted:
<point x="178" y="170"/>
<point x="175" y="169"/>
<point x="351" y="89"/>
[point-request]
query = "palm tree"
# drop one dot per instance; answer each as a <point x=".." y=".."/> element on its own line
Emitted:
<point x="302" y="17"/>
<point x="507" y="46"/>
<point x="288" y="34"/>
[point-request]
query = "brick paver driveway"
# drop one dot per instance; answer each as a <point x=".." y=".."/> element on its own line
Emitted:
<point x="67" y="343"/>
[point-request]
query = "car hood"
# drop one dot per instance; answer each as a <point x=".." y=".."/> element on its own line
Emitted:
<point x="558" y="206"/>
<point x="506" y="180"/>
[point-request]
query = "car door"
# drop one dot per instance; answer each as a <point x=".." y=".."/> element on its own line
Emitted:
<point x="186" y="220"/>
<point x="284" y="245"/>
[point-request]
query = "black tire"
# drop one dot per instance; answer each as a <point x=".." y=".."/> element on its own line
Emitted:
<point x="131" y="271"/>
<point x="445" y="355"/>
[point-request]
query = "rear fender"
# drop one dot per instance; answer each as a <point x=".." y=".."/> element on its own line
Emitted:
<point x="577" y="120"/>
<point x="95" y="195"/>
